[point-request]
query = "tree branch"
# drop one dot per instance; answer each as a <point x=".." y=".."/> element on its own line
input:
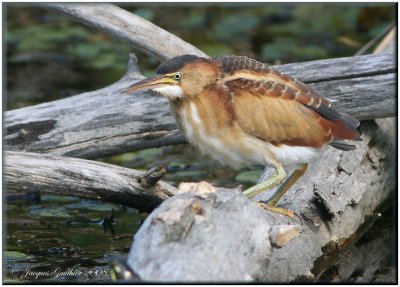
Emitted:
<point x="83" y="178"/>
<point x="126" y="26"/>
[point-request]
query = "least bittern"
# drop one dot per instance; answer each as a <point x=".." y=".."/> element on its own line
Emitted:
<point x="243" y="112"/>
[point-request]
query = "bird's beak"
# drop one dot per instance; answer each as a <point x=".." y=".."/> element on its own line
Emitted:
<point x="151" y="83"/>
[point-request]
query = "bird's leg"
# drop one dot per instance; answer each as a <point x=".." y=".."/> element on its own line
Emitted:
<point x="274" y="180"/>
<point x="293" y="178"/>
<point x="270" y="205"/>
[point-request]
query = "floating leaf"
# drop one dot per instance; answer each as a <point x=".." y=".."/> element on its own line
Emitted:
<point x="15" y="254"/>
<point x="248" y="176"/>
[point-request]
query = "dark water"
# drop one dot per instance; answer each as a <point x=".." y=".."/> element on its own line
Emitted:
<point x="59" y="234"/>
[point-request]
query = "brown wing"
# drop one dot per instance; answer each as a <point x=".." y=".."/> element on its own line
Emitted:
<point x="287" y="111"/>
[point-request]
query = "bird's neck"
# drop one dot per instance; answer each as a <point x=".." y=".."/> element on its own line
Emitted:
<point x="205" y="115"/>
<point x="177" y="107"/>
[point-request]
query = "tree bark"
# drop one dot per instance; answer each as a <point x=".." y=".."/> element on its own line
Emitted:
<point x="87" y="179"/>
<point x="370" y="260"/>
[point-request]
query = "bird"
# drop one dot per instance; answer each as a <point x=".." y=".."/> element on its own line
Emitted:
<point x="242" y="112"/>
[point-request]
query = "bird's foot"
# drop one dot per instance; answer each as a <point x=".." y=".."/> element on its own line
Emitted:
<point x="280" y="210"/>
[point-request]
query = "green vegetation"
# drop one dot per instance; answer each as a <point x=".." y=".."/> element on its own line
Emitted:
<point x="50" y="56"/>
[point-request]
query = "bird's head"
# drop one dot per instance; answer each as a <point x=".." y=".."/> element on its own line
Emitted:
<point x="180" y="77"/>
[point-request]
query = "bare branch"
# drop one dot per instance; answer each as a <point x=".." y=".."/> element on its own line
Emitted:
<point x="83" y="178"/>
<point x="124" y="25"/>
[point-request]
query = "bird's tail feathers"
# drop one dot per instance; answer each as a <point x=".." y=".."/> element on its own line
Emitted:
<point x="342" y="145"/>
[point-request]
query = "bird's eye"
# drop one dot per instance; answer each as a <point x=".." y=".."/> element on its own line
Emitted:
<point x="177" y="76"/>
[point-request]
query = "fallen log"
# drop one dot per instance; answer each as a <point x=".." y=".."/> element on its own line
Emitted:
<point x="32" y="172"/>
<point x="337" y="199"/>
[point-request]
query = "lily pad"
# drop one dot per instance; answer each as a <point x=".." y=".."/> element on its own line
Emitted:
<point x="105" y="207"/>
<point x="58" y="198"/>
<point x="15" y="254"/>
<point x="58" y="212"/>
<point x="248" y="176"/>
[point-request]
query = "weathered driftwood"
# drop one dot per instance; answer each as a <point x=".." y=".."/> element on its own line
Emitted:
<point x="337" y="199"/>
<point x="93" y="124"/>
<point x="124" y="25"/>
<point x="104" y="122"/>
<point x="88" y="179"/>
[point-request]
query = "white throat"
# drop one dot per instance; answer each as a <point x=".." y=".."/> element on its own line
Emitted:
<point x="170" y="91"/>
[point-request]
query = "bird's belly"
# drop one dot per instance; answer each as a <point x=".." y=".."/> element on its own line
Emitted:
<point x="252" y="151"/>
<point x="224" y="145"/>
<point x="293" y="156"/>
<point x="217" y="144"/>
<point x="220" y="151"/>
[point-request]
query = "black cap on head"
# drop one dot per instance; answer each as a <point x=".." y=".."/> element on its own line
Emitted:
<point x="176" y="63"/>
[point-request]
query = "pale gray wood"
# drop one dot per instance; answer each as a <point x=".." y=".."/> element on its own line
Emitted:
<point x="93" y="124"/>
<point x="220" y="236"/>
<point x="33" y="172"/>
<point x="201" y="235"/>
<point x="105" y="122"/>
<point x="342" y="68"/>
<point x="124" y="25"/>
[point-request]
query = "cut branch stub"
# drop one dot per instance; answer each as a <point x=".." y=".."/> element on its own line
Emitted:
<point x="152" y="176"/>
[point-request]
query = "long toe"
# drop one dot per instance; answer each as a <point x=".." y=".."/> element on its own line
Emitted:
<point x="280" y="210"/>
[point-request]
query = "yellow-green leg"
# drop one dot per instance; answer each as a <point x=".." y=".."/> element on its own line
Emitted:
<point x="274" y="180"/>
<point x="293" y="178"/>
